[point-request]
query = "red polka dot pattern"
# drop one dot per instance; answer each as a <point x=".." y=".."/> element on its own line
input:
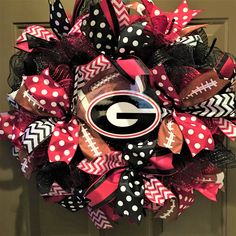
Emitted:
<point x="151" y="8"/>
<point x="196" y="134"/>
<point x="186" y="199"/>
<point x="6" y="126"/>
<point x="181" y="16"/>
<point x="64" y="141"/>
<point x="161" y="81"/>
<point x="51" y="96"/>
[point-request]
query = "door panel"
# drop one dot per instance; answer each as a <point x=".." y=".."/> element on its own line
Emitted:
<point x="25" y="213"/>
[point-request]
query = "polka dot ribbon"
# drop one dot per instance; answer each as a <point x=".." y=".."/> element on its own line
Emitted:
<point x="97" y="28"/>
<point x="137" y="155"/>
<point x="135" y="39"/>
<point x="181" y="17"/>
<point x="59" y="21"/>
<point x="128" y="184"/>
<point x="195" y="133"/>
<point x="44" y="94"/>
<point x="75" y="202"/>
<point x="11" y="128"/>
<point x="130" y="195"/>
<point x="164" y="88"/>
<point x="46" y="97"/>
<point x="6" y="126"/>
<point x="64" y="141"/>
<point x="174" y="22"/>
<point x="60" y="25"/>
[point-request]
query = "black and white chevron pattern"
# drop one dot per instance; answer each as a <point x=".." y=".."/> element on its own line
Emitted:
<point x="36" y="133"/>
<point x="191" y="40"/>
<point x="12" y="102"/>
<point x="221" y="105"/>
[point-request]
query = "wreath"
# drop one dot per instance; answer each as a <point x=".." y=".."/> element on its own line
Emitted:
<point x="120" y="113"/>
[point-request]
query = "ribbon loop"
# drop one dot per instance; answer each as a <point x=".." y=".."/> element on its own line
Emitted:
<point x="130" y="195"/>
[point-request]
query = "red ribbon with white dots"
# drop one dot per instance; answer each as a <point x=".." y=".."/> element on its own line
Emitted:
<point x="196" y="134"/>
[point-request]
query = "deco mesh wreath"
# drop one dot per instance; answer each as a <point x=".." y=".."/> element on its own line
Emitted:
<point x="120" y="113"/>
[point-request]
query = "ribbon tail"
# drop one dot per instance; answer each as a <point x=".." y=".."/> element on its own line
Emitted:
<point x="99" y="219"/>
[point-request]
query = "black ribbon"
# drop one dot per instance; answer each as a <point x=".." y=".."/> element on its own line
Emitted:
<point x="75" y="202"/>
<point x="67" y="176"/>
<point x="59" y="21"/>
<point x="98" y="30"/>
<point x="130" y="193"/>
<point x="53" y="172"/>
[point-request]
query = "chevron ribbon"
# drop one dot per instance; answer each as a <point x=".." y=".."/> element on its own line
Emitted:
<point x="191" y="40"/>
<point x="227" y="127"/>
<point x="156" y="192"/>
<point x="221" y="105"/>
<point x="36" y="31"/>
<point x="37" y="133"/>
<point x="56" y="190"/>
<point x="77" y="26"/>
<point x="15" y="151"/>
<point x="78" y="84"/>
<point x="12" y="102"/>
<point x="99" y="218"/>
<point x="94" y="67"/>
<point x="123" y="184"/>
<point x="102" y="164"/>
<point x="121" y="13"/>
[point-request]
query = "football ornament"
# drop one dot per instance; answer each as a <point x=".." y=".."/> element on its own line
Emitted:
<point x="121" y="114"/>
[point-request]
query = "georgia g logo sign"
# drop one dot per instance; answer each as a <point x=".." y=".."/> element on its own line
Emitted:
<point x="123" y="114"/>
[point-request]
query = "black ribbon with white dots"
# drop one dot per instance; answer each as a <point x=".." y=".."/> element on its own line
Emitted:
<point x="130" y="193"/>
<point x="75" y="202"/>
<point x="136" y="40"/>
<point x="99" y="32"/>
<point x="137" y="155"/>
<point x="59" y="21"/>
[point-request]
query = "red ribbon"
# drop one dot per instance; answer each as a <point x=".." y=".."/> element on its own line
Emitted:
<point x="64" y="141"/>
<point x="41" y="33"/>
<point x="104" y="188"/>
<point x="196" y="134"/>
<point x="48" y="94"/>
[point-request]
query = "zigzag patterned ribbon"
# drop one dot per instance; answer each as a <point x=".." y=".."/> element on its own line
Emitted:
<point x="127" y="182"/>
<point x="45" y="96"/>
<point x="36" y="133"/>
<point x="39" y="32"/>
<point x="227" y="127"/>
<point x="99" y="218"/>
<point x="221" y="105"/>
<point x="191" y="40"/>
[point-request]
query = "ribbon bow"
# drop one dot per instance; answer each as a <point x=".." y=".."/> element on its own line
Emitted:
<point x="128" y="181"/>
<point x="42" y="96"/>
